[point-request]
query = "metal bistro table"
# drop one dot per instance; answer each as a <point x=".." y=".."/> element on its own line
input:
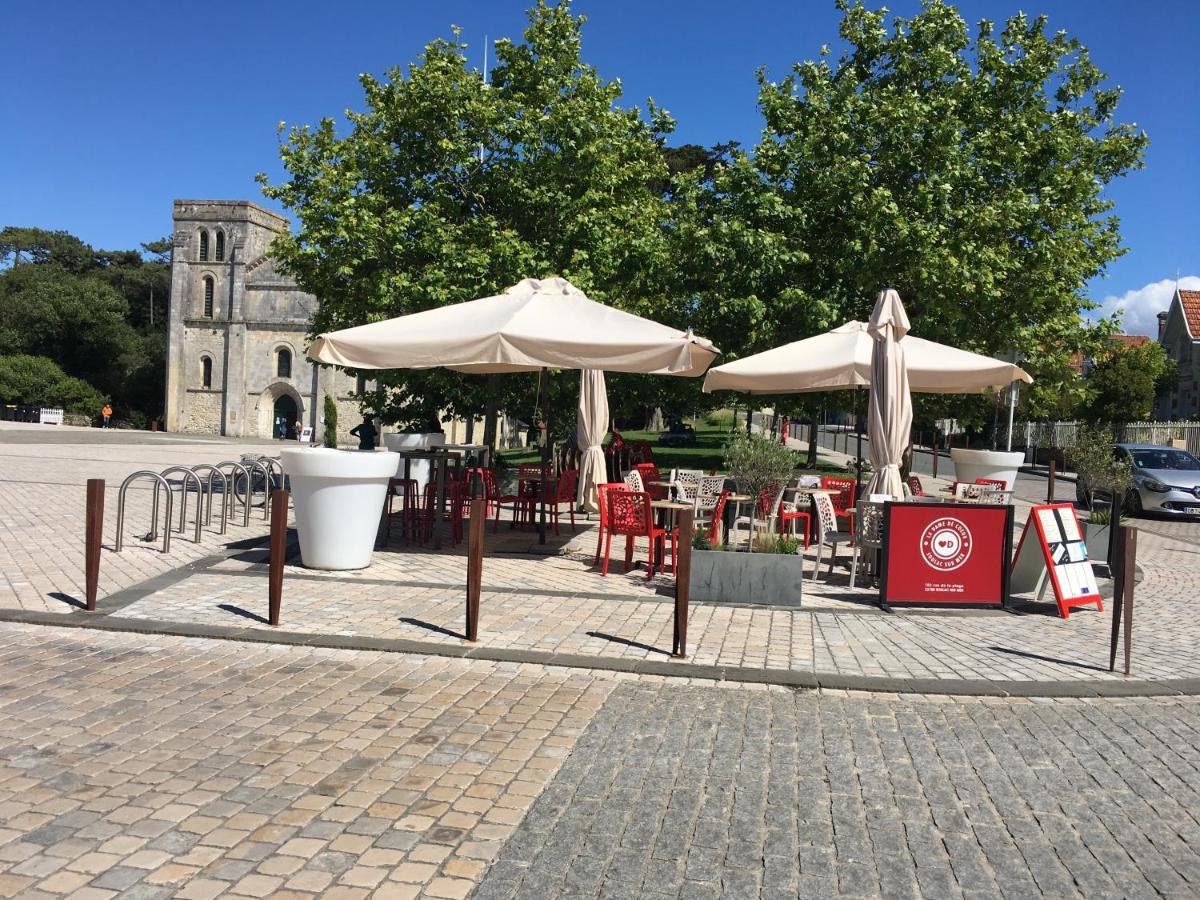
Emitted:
<point x="537" y="497"/>
<point x="439" y="457"/>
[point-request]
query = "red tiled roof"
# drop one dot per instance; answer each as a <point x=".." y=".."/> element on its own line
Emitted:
<point x="1129" y="341"/>
<point x="1191" y="311"/>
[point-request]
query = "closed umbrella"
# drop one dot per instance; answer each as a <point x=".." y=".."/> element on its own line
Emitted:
<point x="590" y="429"/>
<point x="889" y="415"/>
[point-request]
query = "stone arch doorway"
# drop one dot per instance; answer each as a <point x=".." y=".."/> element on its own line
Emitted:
<point x="280" y="401"/>
<point x="284" y="413"/>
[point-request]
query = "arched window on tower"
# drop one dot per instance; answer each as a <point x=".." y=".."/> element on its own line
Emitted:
<point x="208" y="297"/>
<point x="205" y="372"/>
<point x="283" y="363"/>
<point x="220" y="245"/>
<point x="204" y="246"/>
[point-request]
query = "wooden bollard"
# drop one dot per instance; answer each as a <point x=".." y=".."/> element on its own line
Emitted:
<point x="1050" y="482"/>
<point x="279" y="517"/>
<point x="683" y="583"/>
<point x="936" y="454"/>
<point x="93" y="530"/>
<point x="1123" y="566"/>
<point x="475" y="532"/>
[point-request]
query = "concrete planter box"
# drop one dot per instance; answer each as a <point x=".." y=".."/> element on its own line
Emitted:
<point x="772" y="579"/>
<point x="972" y="464"/>
<point x="338" y="496"/>
<point x="1097" y="538"/>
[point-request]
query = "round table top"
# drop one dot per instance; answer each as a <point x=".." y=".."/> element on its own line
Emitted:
<point x="669" y="504"/>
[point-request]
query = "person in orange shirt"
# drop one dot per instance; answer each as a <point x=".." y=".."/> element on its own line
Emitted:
<point x="106" y="413"/>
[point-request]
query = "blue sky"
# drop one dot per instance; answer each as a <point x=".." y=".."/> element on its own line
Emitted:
<point x="110" y="111"/>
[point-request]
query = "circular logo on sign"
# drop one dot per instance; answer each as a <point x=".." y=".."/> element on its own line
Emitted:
<point x="946" y="544"/>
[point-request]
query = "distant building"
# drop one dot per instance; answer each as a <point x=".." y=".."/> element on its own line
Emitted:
<point x="1124" y="341"/>
<point x="1179" y="334"/>
<point x="235" y="358"/>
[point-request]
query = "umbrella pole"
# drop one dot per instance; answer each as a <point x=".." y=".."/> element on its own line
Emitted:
<point x="545" y="392"/>
<point x="858" y="439"/>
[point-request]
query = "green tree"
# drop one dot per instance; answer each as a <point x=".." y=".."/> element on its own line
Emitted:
<point x="968" y="172"/>
<point x="444" y="189"/>
<point x="36" y="379"/>
<point x="1125" y="383"/>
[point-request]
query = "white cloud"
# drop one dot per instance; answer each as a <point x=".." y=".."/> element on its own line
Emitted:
<point x="1141" y="307"/>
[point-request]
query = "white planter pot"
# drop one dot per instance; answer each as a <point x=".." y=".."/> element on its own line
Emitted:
<point x="1097" y="537"/>
<point x="972" y="464"/>
<point x="420" y="469"/>
<point x="338" y="497"/>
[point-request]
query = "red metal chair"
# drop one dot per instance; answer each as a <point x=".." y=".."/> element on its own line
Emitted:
<point x="603" y="490"/>
<point x="406" y="490"/>
<point x="496" y="500"/>
<point x="630" y="514"/>
<point x="788" y="518"/>
<point x="914" y="485"/>
<point x="564" y="492"/>
<point x="718" y="517"/>
<point x="843" y="500"/>
<point x="655" y="484"/>
<point x="529" y="488"/>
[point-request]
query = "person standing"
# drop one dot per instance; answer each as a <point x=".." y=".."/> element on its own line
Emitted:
<point x="365" y="432"/>
<point x="106" y="414"/>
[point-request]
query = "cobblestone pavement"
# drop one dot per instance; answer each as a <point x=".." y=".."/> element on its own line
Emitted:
<point x="155" y="767"/>
<point x="701" y="792"/>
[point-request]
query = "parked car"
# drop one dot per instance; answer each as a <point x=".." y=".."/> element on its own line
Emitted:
<point x="1165" y="480"/>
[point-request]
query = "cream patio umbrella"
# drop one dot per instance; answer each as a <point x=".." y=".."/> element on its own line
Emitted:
<point x="590" y="428"/>
<point x="889" y="415"/>
<point x="533" y="326"/>
<point x="841" y="358"/>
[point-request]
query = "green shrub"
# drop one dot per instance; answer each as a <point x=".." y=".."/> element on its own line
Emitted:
<point x="331" y="423"/>
<point x="36" y="379"/>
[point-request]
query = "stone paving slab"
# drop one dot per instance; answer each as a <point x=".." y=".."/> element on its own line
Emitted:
<point x="696" y="792"/>
<point x="158" y="766"/>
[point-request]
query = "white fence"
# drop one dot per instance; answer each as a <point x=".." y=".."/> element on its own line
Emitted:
<point x="1062" y="434"/>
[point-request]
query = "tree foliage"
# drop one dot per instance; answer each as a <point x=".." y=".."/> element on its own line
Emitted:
<point x="88" y="310"/>
<point x="36" y="379"/>
<point x="445" y="189"/>
<point x="1125" y="383"/>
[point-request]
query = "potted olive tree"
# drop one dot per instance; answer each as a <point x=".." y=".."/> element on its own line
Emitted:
<point x="771" y="570"/>
<point x="1100" y="474"/>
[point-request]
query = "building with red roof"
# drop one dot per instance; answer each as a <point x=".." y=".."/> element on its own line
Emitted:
<point x="1179" y="333"/>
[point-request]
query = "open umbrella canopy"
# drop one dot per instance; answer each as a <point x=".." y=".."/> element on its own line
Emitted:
<point x="535" y="324"/>
<point x="841" y="358"/>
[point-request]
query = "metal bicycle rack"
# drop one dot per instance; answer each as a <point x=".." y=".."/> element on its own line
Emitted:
<point x="260" y="467"/>
<point x="188" y="474"/>
<point x="159" y="481"/>
<point x="231" y="484"/>
<point x="214" y="472"/>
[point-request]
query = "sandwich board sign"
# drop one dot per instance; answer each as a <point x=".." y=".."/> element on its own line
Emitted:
<point x="1052" y="551"/>
<point x="306" y="434"/>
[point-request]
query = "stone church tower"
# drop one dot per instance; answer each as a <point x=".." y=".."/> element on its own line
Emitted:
<point x="236" y="339"/>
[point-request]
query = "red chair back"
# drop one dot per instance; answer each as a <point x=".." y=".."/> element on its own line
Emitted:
<point x="765" y="496"/>
<point x="845" y="487"/>
<point x="603" y="490"/>
<point x="566" y="486"/>
<point x="648" y="471"/>
<point x="718" y="515"/>
<point x="998" y="483"/>
<point x="488" y="478"/>
<point x="629" y="513"/>
<point x="914" y="485"/>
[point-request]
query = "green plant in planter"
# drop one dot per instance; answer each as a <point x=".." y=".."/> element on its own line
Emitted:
<point x="1102" y="516"/>
<point x="777" y="543"/>
<point x="331" y="440"/>
<point x="756" y="464"/>
<point x="700" y="539"/>
<point x="1091" y="456"/>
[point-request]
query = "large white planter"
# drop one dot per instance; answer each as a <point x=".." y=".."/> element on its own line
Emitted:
<point x="338" y="496"/>
<point x="420" y="469"/>
<point x="972" y="464"/>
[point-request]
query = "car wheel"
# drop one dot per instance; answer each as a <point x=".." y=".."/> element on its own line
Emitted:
<point x="1133" y="503"/>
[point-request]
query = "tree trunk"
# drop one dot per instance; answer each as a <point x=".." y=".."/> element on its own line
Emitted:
<point x="813" y="425"/>
<point x="654" y="420"/>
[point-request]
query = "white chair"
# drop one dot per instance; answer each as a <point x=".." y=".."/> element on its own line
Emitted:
<point x="764" y="521"/>
<point x="808" y="481"/>
<point x="868" y="534"/>
<point x="686" y="483"/>
<point x="633" y="478"/>
<point x="826" y="528"/>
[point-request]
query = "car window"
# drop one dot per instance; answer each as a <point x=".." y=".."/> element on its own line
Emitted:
<point x="1166" y="458"/>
